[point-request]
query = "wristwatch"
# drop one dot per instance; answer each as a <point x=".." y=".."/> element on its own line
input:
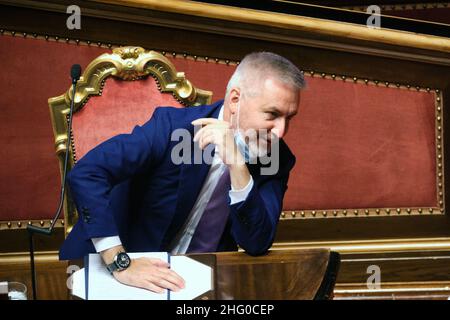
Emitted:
<point x="121" y="262"/>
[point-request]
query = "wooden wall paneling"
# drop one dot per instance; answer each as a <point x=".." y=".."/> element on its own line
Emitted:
<point x="365" y="60"/>
<point x="51" y="274"/>
<point x="16" y="240"/>
<point x="412" y="275"/>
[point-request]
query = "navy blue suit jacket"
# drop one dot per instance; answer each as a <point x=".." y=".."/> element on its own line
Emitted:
<point x="129" y="186"/>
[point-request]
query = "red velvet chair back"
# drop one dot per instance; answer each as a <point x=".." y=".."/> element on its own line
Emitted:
<point x="117" y="92"/>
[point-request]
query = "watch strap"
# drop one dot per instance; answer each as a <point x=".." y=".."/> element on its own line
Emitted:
<point x="114" y="266"/>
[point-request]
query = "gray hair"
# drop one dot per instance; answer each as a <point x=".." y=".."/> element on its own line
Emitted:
<point x="258" y="66"/>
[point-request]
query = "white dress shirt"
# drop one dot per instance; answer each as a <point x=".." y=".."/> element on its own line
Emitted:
<point x="183" y="239"/>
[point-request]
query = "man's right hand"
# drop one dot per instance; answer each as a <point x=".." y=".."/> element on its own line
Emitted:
<point x="147" y="273"/>
<point x="151" y="274"/>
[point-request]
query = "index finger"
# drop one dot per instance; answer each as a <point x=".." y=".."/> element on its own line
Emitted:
<point x="204" y="121"/>
<point x="156" y="262"/>
<point x="175" y="278"/>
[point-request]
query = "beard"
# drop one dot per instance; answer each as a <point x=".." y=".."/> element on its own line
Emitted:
<point x="260" y="143"/>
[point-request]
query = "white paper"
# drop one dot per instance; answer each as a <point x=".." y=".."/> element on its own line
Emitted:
<point x="103" y="286"/>
<point x="198" y="277"/>
<point x="78" y="284"/>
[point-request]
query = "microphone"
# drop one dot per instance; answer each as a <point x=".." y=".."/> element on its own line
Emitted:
<point x="75" y="73"/>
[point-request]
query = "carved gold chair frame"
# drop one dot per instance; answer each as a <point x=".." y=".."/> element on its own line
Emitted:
<point x="126" y="63"/>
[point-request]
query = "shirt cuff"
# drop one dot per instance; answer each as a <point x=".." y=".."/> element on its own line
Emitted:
<point x="105" y="243"/>
<point x="240" y="195"/>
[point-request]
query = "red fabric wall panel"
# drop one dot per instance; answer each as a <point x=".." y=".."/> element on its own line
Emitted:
<point x="32" y="71"/>
<point x="210" y="76"/>
<point x="362" y="146"/>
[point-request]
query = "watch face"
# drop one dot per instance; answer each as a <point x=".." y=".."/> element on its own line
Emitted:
<point x="123" y="260"/>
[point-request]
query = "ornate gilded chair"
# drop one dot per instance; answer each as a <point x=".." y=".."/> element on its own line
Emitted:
<point x="116" y="92"/>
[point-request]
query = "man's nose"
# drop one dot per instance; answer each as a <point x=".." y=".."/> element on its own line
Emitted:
<point x="280" y="128"/>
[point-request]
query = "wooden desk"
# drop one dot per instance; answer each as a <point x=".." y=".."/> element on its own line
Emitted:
<point x="279" y="275"/>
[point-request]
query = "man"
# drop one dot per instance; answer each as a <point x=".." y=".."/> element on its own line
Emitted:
<point x="184" y="207"/>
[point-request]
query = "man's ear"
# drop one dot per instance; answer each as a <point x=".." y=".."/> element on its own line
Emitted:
<point x="235" y="97"/>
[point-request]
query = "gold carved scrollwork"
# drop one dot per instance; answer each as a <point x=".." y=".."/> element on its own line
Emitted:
<point x="129" y="52"/>
<point x="126" y="63"/>
<point x="133" y="63"/>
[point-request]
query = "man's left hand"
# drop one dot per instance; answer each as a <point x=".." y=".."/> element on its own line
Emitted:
<point x="219" y="133"/>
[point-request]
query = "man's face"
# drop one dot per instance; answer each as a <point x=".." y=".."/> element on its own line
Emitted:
<point x="270" y="110"/>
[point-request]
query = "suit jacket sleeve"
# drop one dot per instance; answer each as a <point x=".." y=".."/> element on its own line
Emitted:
<point x="110" y="163"/>
<point x="254" y="221"/>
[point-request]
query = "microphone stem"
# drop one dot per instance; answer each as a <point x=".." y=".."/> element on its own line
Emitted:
<point x="32" y="229"/>
<point x="66" y="159"/>
<point x="33" y="268"/>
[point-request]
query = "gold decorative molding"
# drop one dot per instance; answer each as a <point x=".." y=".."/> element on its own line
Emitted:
<point x="22" y="224"/>
<point x="100" y="44"/>
<point x="393" y="290"/>
<point x="371" y="246"/>
<point x="129" y="64"/>
<point x="24" y="257"/>
<point x="132" y="63"/>
<point x="362" y="213"/>
<point x="405" y="6"/>
<point x="291" y="22"/>
<point x="376" y="82"/>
